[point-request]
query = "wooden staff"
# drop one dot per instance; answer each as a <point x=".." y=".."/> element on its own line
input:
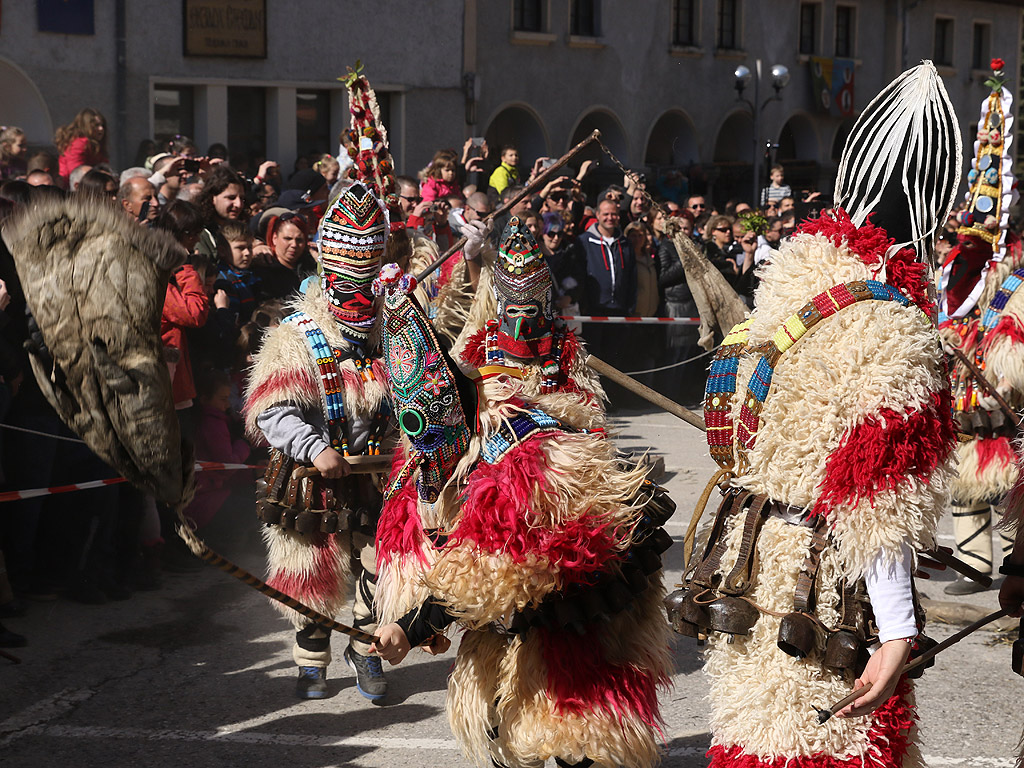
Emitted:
<point x="979" y="376"/>
<point x="537" y="183"/>
<point x="627" y="381"/>
<point x="958" y="565"/>
<point x="360" y="465"/>
<point x="824" y="715"/>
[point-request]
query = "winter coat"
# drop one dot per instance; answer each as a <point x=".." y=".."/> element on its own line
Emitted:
<point x="214" y="443"/>
<point x="671" y="277"/>
<point x="78" y="153"/>
<point x="611" y="273"/>
<point x="185" y="306"/>
<point x="436" y="189"/>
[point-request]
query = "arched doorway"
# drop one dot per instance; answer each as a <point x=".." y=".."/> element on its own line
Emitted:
<point x="613" y="136"/>
<point x="799" y="152"/>
<point x="839" y="142"/>
<point x="730" y="176"/>
<point x="24" y="105"/>
<point x="672" y="141"/>
<point x="521" y="126"/>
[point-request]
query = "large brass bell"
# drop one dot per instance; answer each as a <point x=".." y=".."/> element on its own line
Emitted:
<point x="796" y="634"/>
<point x="732" y="616"/>
<point x="842" y="650"/>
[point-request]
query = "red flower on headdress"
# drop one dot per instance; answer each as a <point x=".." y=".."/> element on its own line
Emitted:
<point x="997" y="65"/>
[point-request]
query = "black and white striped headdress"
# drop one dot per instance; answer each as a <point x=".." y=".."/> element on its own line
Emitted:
<point x="902" y="160"/>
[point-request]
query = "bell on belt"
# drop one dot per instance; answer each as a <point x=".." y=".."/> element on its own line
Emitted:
<point x="693" y="612"/>
<point x="842" y="650"/>
<point x="796" y="634"/>
<point x="732" y="616"/>
<point x="674" y="607"/>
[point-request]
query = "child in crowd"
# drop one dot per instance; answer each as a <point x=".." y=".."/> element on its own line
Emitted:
<point x="214" y="442"/>
<point x="13" y="150"/>
<point x="440" y="178"/>
<point x="236" y="257"/>
<point x="778" y="189"/>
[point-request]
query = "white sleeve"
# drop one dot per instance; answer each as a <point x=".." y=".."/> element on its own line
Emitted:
<point x="891" y="596"/>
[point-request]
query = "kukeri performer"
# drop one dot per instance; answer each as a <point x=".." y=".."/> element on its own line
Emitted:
<point x="981" y="313"/>
<point x="535" y="539"/>
<point x="317" y="394"/>
<point x="523" y="331"/>
<point x="828" y="411"/>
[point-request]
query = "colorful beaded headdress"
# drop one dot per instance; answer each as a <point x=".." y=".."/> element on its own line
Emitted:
<point x="992" y="188"/>
<point x="522" y="283"/>
<point x="353" y="234"/>
<point x="431" y="396"/>
<point x="354" y="231"/>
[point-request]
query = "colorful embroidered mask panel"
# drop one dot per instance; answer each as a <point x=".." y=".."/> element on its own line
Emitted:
<point x="522" y="283"/>
<point x="425" y="393"/>
<point x="353" y="234"/>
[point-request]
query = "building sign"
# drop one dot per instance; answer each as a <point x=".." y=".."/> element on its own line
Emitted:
<point x="226" y="28"/>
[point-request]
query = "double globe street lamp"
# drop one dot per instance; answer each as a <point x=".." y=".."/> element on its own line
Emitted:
<point x="742" y="77"/>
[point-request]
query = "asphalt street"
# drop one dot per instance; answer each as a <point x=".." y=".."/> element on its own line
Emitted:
<point x="200" y="674"/>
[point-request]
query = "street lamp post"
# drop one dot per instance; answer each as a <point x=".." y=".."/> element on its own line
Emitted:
<point x="742" y="77"/>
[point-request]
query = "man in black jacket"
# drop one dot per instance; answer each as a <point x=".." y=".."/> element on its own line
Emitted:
<point x="610" y="290"/>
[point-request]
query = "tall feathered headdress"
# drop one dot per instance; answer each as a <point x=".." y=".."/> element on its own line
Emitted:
<point x="368" y="138"/>
<point x="897" y="166"/>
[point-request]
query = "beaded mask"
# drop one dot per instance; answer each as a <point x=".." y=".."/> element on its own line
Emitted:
<point x="522" y="282"/>
<point x="431" y="397"/>
<point x="353" y="234"/>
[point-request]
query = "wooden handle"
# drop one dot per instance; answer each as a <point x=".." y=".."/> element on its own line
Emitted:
<point x="958" y="565"/>
<point x="361" y="465"/>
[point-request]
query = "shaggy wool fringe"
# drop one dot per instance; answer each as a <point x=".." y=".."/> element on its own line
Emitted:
<point x="314" y="569"/>
<point x="284" y="373"/>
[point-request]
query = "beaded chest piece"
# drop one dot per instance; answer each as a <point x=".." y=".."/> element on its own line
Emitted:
<point x="516" y="429"/>
<point x="353" y="234"/>
<point x="332" y="386"/>
<point x="722" y="434"/>
<point x="424" y="387"/>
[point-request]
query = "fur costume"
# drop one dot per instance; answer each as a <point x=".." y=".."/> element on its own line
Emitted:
<point x="314" y="569"/>
<point x="850" y="424"/>
<point x="446" y="293"/>
<point x="524" y="514"/>
<point x="94" y="281"/>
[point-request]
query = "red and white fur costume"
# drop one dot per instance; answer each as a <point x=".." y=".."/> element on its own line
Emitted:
<point x="856" y="427"/>
<point x="549" y="513"/>
<point x="315" y="569"/>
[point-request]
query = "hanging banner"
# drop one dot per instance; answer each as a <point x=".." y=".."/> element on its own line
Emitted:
<point x="832" y="85"/>
<point x="235" y="28"/>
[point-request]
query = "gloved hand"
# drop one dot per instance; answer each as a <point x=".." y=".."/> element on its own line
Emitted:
<point x="475" y="233"/>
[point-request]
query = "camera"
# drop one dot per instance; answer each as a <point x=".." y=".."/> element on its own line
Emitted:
<point x="478" y="141"/>
<point x="191" y="166"/>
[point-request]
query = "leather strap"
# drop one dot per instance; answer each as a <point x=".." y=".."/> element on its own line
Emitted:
<point x="708" y="567"/>
<point x="803" y="598"/>
<point x="738" y="579"/>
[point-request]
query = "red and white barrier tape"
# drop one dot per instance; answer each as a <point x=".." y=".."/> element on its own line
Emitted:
<point x="640" y="320"/>
<point x="31" y="493"/>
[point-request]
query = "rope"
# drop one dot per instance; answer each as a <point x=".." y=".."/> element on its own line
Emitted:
<point x="200" y="550"/>
<point x="673" y="365"/>
<point x="41" y="434"/>
<point x="698" y="511"/>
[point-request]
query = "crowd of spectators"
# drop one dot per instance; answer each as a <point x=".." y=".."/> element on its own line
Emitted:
<point x="250" y="230"/>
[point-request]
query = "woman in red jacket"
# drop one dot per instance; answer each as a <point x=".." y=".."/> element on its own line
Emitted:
<point x="83" y="141"/>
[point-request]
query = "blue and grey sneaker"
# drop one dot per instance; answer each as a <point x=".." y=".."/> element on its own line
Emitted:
<point x="370" y="680"/>
<point x="312" y="683"/>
